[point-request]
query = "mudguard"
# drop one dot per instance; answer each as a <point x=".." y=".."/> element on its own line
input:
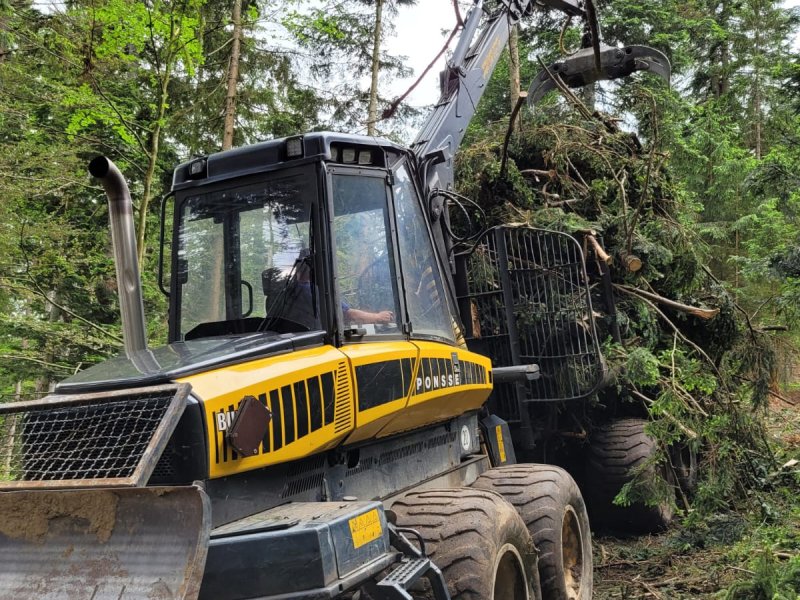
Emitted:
<point x="103" y="544"/>
<point x="580" y="68"/>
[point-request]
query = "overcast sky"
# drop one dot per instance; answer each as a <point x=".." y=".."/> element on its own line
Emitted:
<point x="419" y="37"/>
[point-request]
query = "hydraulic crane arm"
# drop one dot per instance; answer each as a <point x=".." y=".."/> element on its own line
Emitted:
<point x="464" y="81"/>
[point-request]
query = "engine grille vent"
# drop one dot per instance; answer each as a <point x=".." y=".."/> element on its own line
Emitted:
<point x="108" y="439"/>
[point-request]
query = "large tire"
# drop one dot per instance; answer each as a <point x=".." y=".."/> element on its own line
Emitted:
<point x="550" y="503"/>
<point x="683" y="458"/>
<point x="617" y="451"/>
<point x="478" y="541"/>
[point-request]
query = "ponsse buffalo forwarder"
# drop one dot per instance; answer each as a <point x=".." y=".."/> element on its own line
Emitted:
<point x="317" y="426"/>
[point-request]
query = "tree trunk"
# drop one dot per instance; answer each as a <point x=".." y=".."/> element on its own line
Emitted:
<point x="513" y="64"/>
<point x="152" y="160"/>
<point x="44" y="383"/>
<point x="3" y="37"/>
<point x="757" y="113"/>
<point x="372" y="113"/>
<point x="233" y="77"/>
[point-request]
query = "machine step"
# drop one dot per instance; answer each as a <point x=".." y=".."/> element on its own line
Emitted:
<point x="396" y="584"/>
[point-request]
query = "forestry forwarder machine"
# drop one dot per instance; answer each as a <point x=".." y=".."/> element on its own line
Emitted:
<point x="331" y="438"/>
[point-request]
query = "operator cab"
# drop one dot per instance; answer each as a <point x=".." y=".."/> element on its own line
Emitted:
<point x="324" y="232"/>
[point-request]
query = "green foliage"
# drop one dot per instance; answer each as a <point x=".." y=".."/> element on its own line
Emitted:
<point x="697" y="379"/>
<point x="341" y="37"/>
<point x="772" y="579"/>
<point x="138" y="82"/>
<point x="641" y="368"/>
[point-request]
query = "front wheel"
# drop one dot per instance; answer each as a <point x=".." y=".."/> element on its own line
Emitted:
<point x="550" y="503"/>
<point x="477" y="540"/>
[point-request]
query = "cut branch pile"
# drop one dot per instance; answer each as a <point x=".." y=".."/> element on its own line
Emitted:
<point x="677" y="344"/>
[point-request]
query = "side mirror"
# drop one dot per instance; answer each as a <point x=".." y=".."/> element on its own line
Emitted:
<point x="183" y="271"/>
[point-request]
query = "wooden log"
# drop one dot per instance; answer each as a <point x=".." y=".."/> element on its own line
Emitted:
<point x="536" y="173"/>
<point x="598" y="250"/>
<point x="632" y="262"/>
<point x="703" y="313"/>
<point x="476" y="321"/>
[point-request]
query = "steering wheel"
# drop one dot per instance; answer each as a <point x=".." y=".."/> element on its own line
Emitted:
<point x="373" y="287"/>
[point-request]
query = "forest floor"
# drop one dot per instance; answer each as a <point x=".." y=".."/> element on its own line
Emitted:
<point x="752" y="553"/>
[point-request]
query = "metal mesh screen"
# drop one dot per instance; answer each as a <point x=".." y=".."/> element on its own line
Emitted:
<point x="527" y="301"/>
<point x="113" y="439"/>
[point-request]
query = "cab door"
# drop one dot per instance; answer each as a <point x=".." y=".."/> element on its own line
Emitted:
<point x="371" y="315"/>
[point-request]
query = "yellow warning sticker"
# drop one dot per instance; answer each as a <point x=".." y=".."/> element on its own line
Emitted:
<point x="501" y="447"/>
<point x="365" y="528"/>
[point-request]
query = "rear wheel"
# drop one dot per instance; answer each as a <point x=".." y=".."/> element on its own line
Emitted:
<point x="683" y="458"/>
<point x="550" y="503"/>
<point x="619" y="452"/>
<point x="478" y="541"/>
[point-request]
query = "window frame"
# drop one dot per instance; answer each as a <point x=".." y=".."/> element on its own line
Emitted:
<point x="448" y="301"/>
<point x="341" y="335"/>
<point x="317" y="242"/>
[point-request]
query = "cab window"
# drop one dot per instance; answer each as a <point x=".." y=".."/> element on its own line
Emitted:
<point x="365" y="269"/>
<point x="425" y="298"/>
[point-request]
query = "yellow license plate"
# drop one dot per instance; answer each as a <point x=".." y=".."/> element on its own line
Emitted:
<point x="365" y="528"/>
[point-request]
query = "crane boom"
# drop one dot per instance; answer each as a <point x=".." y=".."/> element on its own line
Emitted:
<point x="464" y="80"/>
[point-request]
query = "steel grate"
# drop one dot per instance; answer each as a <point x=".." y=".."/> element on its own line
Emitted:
<point x="112" y="438"/>
<point x="525" y="300"/>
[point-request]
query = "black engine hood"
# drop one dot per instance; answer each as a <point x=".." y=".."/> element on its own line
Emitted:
<point x="181" y="359"/>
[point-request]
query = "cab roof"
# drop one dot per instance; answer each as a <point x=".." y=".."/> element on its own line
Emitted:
<point x="273" y="154"/>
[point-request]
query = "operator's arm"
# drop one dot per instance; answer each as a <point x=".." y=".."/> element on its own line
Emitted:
<point x="354" y="315"/>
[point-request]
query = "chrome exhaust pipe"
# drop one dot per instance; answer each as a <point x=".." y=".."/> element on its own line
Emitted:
<point x="123" y="240"/>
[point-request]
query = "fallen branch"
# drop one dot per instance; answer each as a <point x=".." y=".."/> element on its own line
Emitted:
<point x="523" y="96"/>
<point x="674" y="327"/>
<point x="774" y="328"/>
<point x="536" y="173"/>
<point x="690" y="433"/>
<point x="703" y="313"/>
<point x="599" y="251"/>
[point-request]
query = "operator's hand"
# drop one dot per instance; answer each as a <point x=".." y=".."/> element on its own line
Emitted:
<point x="384" y="317"/>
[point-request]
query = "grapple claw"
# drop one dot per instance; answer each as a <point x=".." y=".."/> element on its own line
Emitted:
<point x="579" y="69"/>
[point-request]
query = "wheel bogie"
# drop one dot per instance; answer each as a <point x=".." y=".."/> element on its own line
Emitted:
<point x="551" y="505"/>
<point x="478" y="541"/>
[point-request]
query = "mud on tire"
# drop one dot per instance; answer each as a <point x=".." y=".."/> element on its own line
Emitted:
<point x="550" y="503"/>
<point x="617" y="451"/>
<point x="478" y="541"/>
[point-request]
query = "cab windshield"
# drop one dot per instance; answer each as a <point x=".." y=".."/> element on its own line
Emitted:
<point x="244" y="258"/>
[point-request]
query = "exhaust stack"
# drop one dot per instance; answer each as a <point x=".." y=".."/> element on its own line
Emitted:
<point x="123" y="239"/>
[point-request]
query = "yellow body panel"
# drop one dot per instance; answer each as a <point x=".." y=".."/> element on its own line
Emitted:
<point x="443" y="387"/>
<point x="308" y="392"/>
<point x="322" y="397"/>
<point x="383" y="375"/>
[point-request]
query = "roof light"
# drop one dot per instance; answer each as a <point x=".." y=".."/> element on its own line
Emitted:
<point x="348" y="155"/>
<point x="365" y="157"/>
<point x="294" y="147"/>
<point x="197" y="169"/>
